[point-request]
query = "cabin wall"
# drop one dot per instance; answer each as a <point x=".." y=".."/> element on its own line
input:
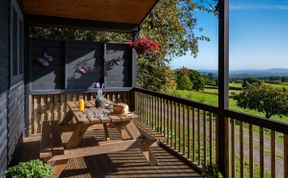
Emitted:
<point x="78" y="66"/>
<point x="4" y="78"/>
<point x="11" y="96"/>
<point x="16" y="104"/>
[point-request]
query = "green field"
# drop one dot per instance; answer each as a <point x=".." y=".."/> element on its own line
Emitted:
<point x="212" y="99"/>
<point x="282" y="85"/>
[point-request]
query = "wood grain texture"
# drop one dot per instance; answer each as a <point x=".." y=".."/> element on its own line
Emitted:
<point x="58" y="109"/>
<point x="4" y="59"/>
<point x="15" y="116"/>
<point x="124" y="11"/>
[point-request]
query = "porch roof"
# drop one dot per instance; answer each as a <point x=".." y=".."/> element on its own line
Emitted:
<point x="125" y="13"/>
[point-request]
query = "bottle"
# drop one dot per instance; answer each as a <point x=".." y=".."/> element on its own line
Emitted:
<point x="81" y="105"/>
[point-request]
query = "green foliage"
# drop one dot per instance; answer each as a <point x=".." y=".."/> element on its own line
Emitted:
<point x="184" y="83"/>
<point x="211" y="171"/>
<point x="198" y="81"/>
<point x="155" y="76"/>
<point x="31" y="169"/>
<point x="248" y="81"/>
<point x="264" y="98"/>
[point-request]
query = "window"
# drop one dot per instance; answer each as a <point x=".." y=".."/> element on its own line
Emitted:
<point x="16" y="43"/>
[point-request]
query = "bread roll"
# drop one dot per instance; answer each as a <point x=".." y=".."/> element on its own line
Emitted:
<point x="120" y="108"/>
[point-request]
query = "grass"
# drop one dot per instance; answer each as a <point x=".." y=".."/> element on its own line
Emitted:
<point x="239" y="85"/>
<point x="212" y="99"/>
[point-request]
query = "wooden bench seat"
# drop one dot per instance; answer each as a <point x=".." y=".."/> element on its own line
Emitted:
<point x="148" y="133"/>
<point x="51" y="145"/>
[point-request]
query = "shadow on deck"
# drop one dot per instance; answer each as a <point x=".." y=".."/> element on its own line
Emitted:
<point x="129" y="163"/>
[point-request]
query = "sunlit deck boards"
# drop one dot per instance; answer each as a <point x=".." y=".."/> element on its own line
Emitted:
<point x="130" y="163"/>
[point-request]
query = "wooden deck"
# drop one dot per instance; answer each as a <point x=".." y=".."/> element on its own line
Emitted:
<point x="130" y="163"/>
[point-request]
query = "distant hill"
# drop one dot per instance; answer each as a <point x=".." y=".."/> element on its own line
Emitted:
<point x="252" y="72"/>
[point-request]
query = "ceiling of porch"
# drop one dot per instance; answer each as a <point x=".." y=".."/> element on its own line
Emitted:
<point x="119" y="11"/>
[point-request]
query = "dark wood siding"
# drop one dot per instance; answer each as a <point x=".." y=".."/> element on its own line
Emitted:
<point x="84" y="53"/>
<point x="15" y="116"/>
<point x="64" y="73"/>
<point x="4" y="13"/>
<point x="118" y="74"/>
<point x="51" y="77"/>
<point x="11" y="98"/>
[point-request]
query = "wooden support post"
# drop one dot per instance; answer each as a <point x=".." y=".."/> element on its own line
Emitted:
<point x="122" y="131"/>
<point x="58" y="167"/>
<point x="68" y="117"/>
<point x="135" y="34"/>
<point x="107" y="138"/>
<point x="223" y="78"/>
<point x="132" y="100"/>
<point x="286" y="155"/>
<point x="77" y="136"/>
<point x="145" y="148"/>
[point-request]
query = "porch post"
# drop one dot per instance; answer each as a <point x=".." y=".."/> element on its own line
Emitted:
<point x="223" y="97"/>
<point x="135" y="34"/>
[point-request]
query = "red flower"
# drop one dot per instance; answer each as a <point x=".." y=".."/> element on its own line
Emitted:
<point x="144" y="44"/>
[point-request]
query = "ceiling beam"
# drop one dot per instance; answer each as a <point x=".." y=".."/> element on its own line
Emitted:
<point x="79" y="23"/>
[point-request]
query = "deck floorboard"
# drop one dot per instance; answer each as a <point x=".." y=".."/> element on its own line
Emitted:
<point x="129" y="163"/>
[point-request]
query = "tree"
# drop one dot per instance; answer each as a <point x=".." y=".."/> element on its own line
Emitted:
<point x="264" y="98"/>
<point x="197" y="79"/>
<point x="184" y="83"/>
<point x="248" y="81"/>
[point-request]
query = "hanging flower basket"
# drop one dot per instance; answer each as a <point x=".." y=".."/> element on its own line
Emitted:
<point x="140" y="51"/>
<point x="144" y="45"/>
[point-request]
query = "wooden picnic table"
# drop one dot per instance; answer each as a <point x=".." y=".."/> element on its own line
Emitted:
<point x="78" y="123"/>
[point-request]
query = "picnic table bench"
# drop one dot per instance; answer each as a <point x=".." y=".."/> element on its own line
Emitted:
<point x="57" y="154"/>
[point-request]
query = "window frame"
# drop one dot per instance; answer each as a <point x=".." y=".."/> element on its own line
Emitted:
<point x="18" y="77"/>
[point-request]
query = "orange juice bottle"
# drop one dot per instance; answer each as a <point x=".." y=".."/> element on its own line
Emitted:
<point x="81" y="105"/>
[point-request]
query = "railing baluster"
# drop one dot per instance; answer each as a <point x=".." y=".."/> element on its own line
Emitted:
<point x="188" y="132"/>
<point x="167" y="121"/>
<point x="241" y="151"/>
<point x="159" y="112"/>
<point x="210" y="138"/>
<point x="183" y="129"/>
<point x="273" y="172"/>
<point x="286" y="155"/>
<point x="171" y="123"/>
<point x="152" y="112"/>
<point x="204" y="138"/>
<point x="262" y="152"/>
<point x="165" y="118"/>
<point x="175" y="126"/>
<point x="161" y="118"/>
<point x="193" y="136"/>
<point x="233" y="148"/>
<point x="144" y="107"/>
<point x="199" y="138"/>
<point x="251" y="153"/>
<point x="179" y="129"/>
<point x="150" y="108"/>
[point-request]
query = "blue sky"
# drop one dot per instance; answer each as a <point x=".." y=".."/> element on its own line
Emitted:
<point x="258" y="37"/>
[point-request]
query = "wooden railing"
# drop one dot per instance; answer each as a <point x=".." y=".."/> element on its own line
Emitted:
<point x="189" y="127"/>
<point x="54" y="106"/>
<point x="257" y="147"/>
